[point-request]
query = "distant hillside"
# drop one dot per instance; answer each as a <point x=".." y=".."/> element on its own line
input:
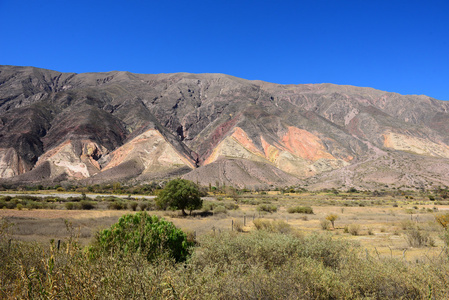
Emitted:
<point x="119" y="126"/>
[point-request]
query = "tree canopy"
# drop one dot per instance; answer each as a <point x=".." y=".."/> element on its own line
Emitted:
<point x="141" y="233"/>
<point x="180" y="194"/>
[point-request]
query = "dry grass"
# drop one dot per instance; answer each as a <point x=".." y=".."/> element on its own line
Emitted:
<point x="380" y="220"/>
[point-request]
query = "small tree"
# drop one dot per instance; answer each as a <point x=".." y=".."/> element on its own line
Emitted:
<point x="150" y="236"/>
<point x="332" y="218"/>
<point x="180" y="194"/>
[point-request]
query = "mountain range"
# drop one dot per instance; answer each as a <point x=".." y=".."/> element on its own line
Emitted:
<point x="216" y="129"/>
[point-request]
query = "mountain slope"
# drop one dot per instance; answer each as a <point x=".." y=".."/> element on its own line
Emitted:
<point x="121" y="126"/>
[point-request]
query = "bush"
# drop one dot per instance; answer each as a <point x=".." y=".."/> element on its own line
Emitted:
<point x="231" y="206"/>
<point x="278" y="226"/>
<point x="238" y="225"/>
<point x="354" y="229"/>
<point x="133" y="205"/>
<point x="220" y="209"/>
<point x="416" y="238"/>
<point x="267" y="208"/>
<point x="443" y="220"/>
<point x="69" y="205"/>
<point x="325" y="224"/>
<point x="143" y="206"/>
<point x="262" y="224"/>
<point x="150" y="236"/>
<point x="87" y="205"/>
<point x="300" y="210"/>
<point x="118" y="205"/>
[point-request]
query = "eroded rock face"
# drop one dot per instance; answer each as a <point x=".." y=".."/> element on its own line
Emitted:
<point x="123" y="126"/>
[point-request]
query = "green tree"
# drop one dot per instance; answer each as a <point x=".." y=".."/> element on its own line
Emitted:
<point x="150" y="236"/>
<point x="180" y="194"/>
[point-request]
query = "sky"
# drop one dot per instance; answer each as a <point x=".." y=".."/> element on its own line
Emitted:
<point x="395" y="46"/>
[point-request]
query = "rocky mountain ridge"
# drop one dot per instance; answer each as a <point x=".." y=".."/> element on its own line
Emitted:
<point x="215" y="128"/>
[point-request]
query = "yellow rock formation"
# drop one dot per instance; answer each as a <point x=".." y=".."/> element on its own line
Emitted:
<point x="416" y="145"/>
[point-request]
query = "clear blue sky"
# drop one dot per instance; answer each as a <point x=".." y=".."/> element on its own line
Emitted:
<point x="397" y="46"/>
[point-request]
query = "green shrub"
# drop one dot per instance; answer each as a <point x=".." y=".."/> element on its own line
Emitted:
<point x="262" y="224"/>
<point x="231" y="206"/>
<point x="35" y="205"/>
<point x="133" y="205"/>
<point x="118" y="205"/>
<point x="219" y="209"/>
<point x="150" y="236"/>
<point x="87" y="205"/>
<point x="267" y="208"/>
<point x="300" y="210"/>
<point x="69" y="205"/>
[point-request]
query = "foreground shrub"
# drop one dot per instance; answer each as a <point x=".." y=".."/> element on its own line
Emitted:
<point x="255" y="265"/>
<point x="300" y="210"/>
<point x="141" y="233"/>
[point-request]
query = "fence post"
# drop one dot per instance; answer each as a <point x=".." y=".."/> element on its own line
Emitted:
<point x="232" y="225"/>
<point x="59" y="244"/>
<point x="244" y="220"/>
